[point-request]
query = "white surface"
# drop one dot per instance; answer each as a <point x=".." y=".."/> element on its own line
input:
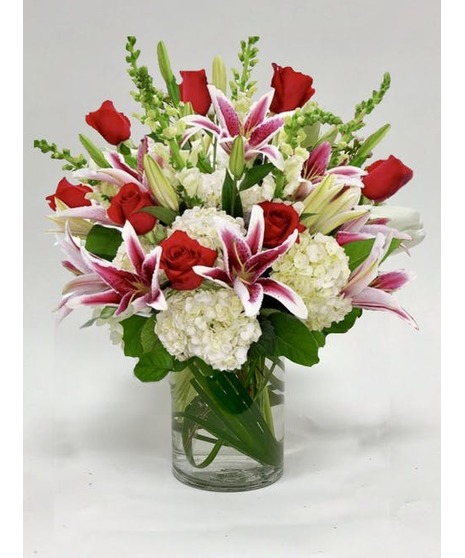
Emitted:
<point x="362" y="438"/>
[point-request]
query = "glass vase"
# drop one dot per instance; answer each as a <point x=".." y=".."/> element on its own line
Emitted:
<point x="228" y="427"/>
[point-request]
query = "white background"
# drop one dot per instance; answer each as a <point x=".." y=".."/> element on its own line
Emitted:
<point x="362" y="436"/>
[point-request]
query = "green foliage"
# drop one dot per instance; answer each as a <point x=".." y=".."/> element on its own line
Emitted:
<point x="230" y="198"/>
<point x="358" y="251"/>
<point x="255" y="175"/>
<point x="103" y="241"/>
<point x="163" y="214"/>
<point x="248" y="57"/>
<point x="74" y="163"/>
<point x="140" y="341"/>
<point x="294" y="340"/>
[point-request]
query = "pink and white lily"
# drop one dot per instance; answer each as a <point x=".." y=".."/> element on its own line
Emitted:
<point x="245" y="263"/>
<point x="257" y="130"/>
<point x="105" y="284"/>
<point x="365" y="228"/>
<point x="371" y="290"/>
<point x="315" y="169"/>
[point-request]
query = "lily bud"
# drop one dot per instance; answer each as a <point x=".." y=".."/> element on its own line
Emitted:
<point x="219" y="78"/>
<point x="237" y="157"/>
<point x="164" y="62"/>
<point x="160" y="186"/>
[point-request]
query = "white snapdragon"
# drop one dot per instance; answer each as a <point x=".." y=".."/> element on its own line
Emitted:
<point x="317" y="269"/>
<point x="293" y="170"/>
<point x="200" y="223"/>
<point x="209" y="324"/>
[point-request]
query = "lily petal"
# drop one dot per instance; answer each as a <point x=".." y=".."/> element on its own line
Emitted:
<point x="133" y="246"/>
<point x="374" y="299"/>
<point x="286" y="296"/>
<point x="260" y="262"/>
<point x="258" y="112"/>
<point x="265" y="131"/>
<point x="251" y="296"/>
<point x="256" y="230"/>
<point x="391" y="281"/>
<point x="225" y="111"/>
<point x="215" y="274"/>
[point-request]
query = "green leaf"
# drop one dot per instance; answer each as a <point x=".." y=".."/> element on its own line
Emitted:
<point x="163" y="214"/>
<point x="132" y="329"/>
<point x="294" y="340"/>
<point x="358" y="251"/>
<point x="154" y="366"/>
<point x="230" y="199"/>
<point x="266" y="344"/>
<point x="368" y="145"/>
<point x="345" y="324"/>
<point x="103" y="241"/>
<point x="94" y="152"/>
<point x="255" y="175"/>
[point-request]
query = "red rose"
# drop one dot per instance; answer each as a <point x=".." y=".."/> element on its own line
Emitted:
<point x="112" y="125"/>
<point x="126" y="206"/>
<point x="180" y="254"/>
<point x="384" y="178"/>
<point x="291" y="89"/>
<point x="193" y="89"/>
<point x="73" y="195"/>
<point x="281" y="220"/>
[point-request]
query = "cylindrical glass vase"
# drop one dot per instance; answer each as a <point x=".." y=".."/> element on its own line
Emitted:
<point x="228" y="427"/>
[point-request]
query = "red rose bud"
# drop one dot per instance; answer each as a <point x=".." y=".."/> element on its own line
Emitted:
<point x="384" y="178"/>
<point x="291" y="89"/>
<point x="281" y="220"/>
<point x="114" y="126"/>
<point x="126" y="206"/>
<point x="193" y="89"/>
<point x="180" y="254"/>
<point x="73" y="195"/>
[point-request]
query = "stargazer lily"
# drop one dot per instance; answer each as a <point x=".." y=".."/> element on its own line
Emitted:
<point x="371" y="290"/>
<point x="257" y="130"/>
<point x="245" y="263"/>
<point x="137" y="288"/>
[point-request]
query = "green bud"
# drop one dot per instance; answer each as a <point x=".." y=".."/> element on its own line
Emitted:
<point x="369" y="144"/>
<point x="219" y="78"/>
<point x="164" y="62"/>
<point x="162" y="189"/>
<point x="94" y="152"/>
<point x="237" y="157"/>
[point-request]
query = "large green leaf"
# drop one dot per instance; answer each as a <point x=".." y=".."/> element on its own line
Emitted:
<point x="230" y="199"/>
<point x="358" y="251"/>
<point x="103" y="241"/>
<point x="132" y="329"/>
<point x="294" y="340"/>
<point x="163" y="214"/>
<point x="154" y="366"/>
<point x="255" y="175"/>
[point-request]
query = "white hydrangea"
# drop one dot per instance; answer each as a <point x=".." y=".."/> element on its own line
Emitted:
<point x="199" y="223"/>
<point x="206" y="186"/>
<point x="258" y="193"/>
<point x="209" y="324"/>
<point x="317" y="269"/>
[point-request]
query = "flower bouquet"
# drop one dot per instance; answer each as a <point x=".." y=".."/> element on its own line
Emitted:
<point x="235" y="233"/>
